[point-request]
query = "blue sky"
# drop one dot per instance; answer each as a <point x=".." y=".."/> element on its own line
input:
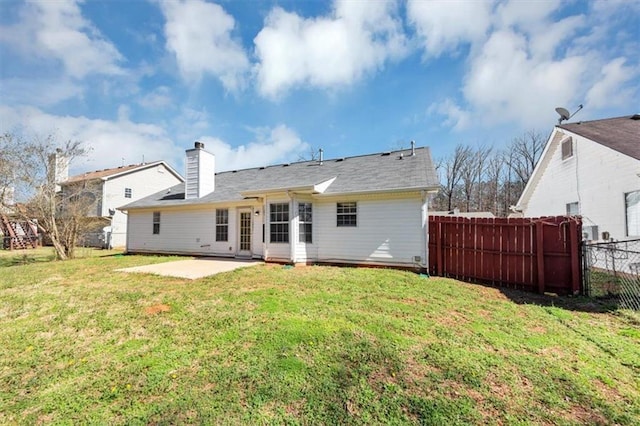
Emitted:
<point x="264" y="82"/>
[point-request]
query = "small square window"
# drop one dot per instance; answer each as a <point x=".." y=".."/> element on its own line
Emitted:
<point x="573" y="209"/>
<point x="127" y="193"/>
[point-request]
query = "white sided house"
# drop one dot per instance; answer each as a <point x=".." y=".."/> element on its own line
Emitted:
<point x="370" y="209"/>
<point x="115" y="187"/>
<point x="591" y="169"/>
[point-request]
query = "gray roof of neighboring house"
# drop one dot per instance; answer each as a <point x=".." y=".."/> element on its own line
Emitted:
<point x="621" y="134"/>
<point x="389" y="171"/>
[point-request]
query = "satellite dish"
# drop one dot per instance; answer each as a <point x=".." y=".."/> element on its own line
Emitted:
<point x="563" y="113"/>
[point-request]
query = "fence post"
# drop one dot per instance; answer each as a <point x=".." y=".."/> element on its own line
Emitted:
<point x="574" y="240"/>
<point x="439" y="267"/>
<point x="540" y="255"/>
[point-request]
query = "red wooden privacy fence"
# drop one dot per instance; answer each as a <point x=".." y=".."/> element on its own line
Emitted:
<point x="539" y="255"/>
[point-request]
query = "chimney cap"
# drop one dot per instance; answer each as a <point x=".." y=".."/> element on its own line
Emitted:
<point x="199" y="145"/>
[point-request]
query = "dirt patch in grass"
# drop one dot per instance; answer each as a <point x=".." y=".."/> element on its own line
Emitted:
<point x="157" y="309"/>
<point x="538" y="329"/>
<point x="454" y="319"/>
<point x="294" y="408"/>
<point x="609" y="393"/>
<point x="584" y="415"/>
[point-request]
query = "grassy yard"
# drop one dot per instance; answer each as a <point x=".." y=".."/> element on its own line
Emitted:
<point x="80" y="343"/>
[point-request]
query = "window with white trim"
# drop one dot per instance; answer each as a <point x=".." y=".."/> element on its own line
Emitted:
<point x="156" y="222"/>
<point x="222" y="224"/>
<point x="347" y="214"/>
<point x="573" y="209"/>
<point x="305" y="223"/>
<point x="279" y="222"/>
<point x="632" y="210"/>
<point x="127" y="193"/>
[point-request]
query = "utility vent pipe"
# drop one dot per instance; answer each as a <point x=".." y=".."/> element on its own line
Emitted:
<point x="413" y="148"/>
<point x="321" y="153"/>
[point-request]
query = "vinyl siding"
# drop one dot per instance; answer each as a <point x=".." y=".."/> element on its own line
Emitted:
<point x="191" y="230"/>
<point x="142" y="183"/>
<point x="388" y="231"/>
<point x="595" y="176"/>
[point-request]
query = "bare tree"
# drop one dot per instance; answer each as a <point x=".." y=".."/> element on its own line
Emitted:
<point x="525" y="150"/>
<point x="494" y="174"/>
<point x="471" y="176"/>
<point x="32" y="166"/>
<point x="312" y="154"/>
<point x="451" y="172"/>
<point x="485" y="178"/>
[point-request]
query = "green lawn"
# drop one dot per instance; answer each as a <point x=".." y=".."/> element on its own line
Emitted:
<point x="80" y="343"/>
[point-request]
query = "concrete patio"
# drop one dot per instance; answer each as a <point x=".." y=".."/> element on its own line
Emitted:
<point x="193" y="268"/>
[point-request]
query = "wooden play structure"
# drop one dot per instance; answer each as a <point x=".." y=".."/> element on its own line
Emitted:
<point x="18" y="234"/>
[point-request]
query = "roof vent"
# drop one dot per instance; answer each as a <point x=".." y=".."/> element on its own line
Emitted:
<point x="262" y="168"/>
<point x="321" y="154"/>
<point x="386" y="153"/>
<point x="234" y="171"/>
<point x="635" y="117"/>
<point x="199" y="145"/>
<point x="285" y="165"/>
<point x="339" y="160"/>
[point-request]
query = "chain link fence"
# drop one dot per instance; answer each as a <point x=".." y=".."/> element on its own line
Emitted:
<point x="611" y="269"/>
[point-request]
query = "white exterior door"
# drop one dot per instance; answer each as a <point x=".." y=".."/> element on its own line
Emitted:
<point x="244" y="232"/>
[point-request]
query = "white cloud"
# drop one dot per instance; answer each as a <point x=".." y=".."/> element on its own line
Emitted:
<point x="358" y="37"/>
<point x="272" y="145"/>
<point x="524" y="14"/>
<point x="608" y="90"/>
<point x="199" y="35"/>
<point x="457" y="118"/>
<point x="158" y="98"/>
<point x="57" y="30"/>
<point x="506" y="84"/>
<point x="111" y="142"/>
<point x="122" y="141"/>
<point x="38" y="92"/>
<point x="445" y="25"/>
<point x="529" y="63"/>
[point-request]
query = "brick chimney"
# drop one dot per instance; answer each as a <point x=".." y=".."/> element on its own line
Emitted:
<point x="200" y="172"/>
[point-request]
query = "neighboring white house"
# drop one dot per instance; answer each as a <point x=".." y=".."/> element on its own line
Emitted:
<point x="369" y="209"/>
<point x="115" y="187"/>
<point x="592" y="169"/>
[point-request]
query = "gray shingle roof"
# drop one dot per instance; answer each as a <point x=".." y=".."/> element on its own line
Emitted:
<point x="396" y="170"/>
<point x="621" y="134"/>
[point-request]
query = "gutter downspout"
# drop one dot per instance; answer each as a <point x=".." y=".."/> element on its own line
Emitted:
<point x="425" y="229"/>
<point x="293" y="219"/>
